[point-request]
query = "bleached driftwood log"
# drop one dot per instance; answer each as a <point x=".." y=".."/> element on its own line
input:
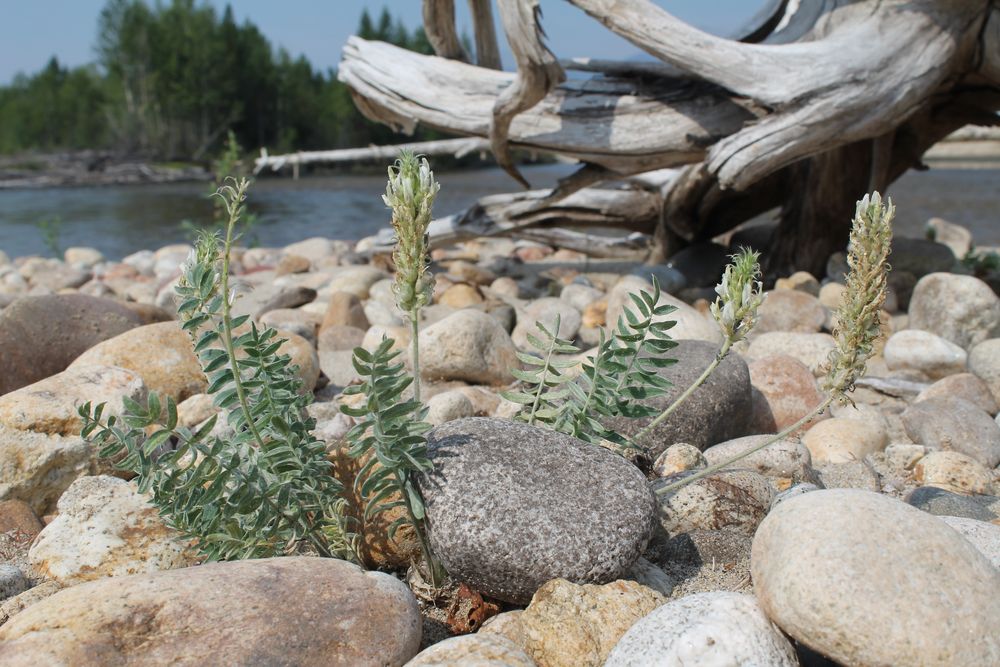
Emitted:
<point x="820" y="101"/>
<point x="456" y="147"/>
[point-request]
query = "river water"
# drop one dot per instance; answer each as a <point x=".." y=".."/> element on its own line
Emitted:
<point x="119" y="220"/>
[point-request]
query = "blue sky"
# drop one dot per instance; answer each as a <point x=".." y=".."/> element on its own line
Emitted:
<point x="31" y="31"/>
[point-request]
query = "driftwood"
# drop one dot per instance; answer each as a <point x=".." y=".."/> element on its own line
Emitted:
<point x="456" y="147"/>
<point x="813" y="103"/>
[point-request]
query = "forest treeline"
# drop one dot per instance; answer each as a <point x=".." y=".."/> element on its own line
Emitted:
<point x="171" y="79"/>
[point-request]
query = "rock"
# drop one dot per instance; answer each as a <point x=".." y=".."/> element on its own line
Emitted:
<point x="962" y="309"/>
<point x="823" y="573"/>
<point x="920" y="256"/>
<point x="956" y="237"/>
<point x="559" y="509"/>
<point x="954" y="472"/>
<point x="651" y="576"/>
<point x="41" y="335"/>
<point x="293" y="320"/>
<point x="904" y="456"/>
<point x="467" y="345"/>
<point x="50" y="406"/>
<point x="984" y="536"/>
<point x="461" y="296"/>
<point x="716" y="628"/>
<point x="691" y="324"/>
<point x="984" y="361"/>
<point x="568" y="624"/>
<point x="679" y="457"/>
<point x="951" y="423"/>
<point x="800" y="281"/>
<point x="12" y="581"/>
<point x="356" y="279"/>
<point x="790" y="310"/>
<point x="331" y="612"/>
<point x="51" y="275"/>
<point x="580" y="296"/>
<point x="314" y="249"/>
<point x="700" y="263"/>
<point x="913" y="349"/>
<point x="344" y="309"/>
<point x="160" y="353"/>
<point x="785" y="462"/>
<point x="965" y="386"/>
<point x="735" y="499"/>
<point x="718" y="410"/>
<point x="195" y="410"/>
<point x="163" y="355"/>
<point x="289" y="264"/>
<point x="105" y="528"/>
<point x="271" y="296"/>
<point x="788" y="392"/>
<point x="830" y="295"/>
<point x="478" y="650"/>
<point x="18" y="515"/>
<point x="36" y="468"/>
<point x="848" y="475"/>
<point x="468" y="272"/>
<point x="792" y="492"/>
<point x="843" y="439"/>
<point x="812" y="349"/>
<point x="945" y="503"/>
<point x="339" y="338"/>
<point x="546" y="311"/>
<point x="448" y="406"/>
<point x="18" y="603"/>
<point x="82" y="258"/>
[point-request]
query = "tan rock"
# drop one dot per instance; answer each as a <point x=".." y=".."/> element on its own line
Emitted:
<point x="594" y="313"/>
<point x="923" y="351"/>
<point x="800" y="281"/>
<point x="328" y="612"/>
<point x="841" y="439"/>
<point x="344" y="309"/>
<point x="830" y="295"/>
<point x="479" y="650"/>
<point x="966" y="386"/>
<point x="15" y="605"/>
<point x="812" y="349"/>
<point x="160" y="353"/>
<point x="736" y="499"/>
<point x="578" y="625"/>
<point x="18" y="515"/>
<point x="195" y="409"/>
<point x="470" y="273"/>
<point x="50" y="406"/>
<point x="290" y="263"/>
<point x="678" y="458"/>
<point x="37" y="468"/>
<point x="790" y="310"/>
<point x="460" y="295"/>
<point x="953" y="471"/>
<point x="467" y="345"/>
<point x="105" y="528"/>
<point x="789" y="391"/>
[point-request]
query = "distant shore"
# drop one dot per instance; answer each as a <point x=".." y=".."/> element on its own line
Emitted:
<point x="91" y="168"/>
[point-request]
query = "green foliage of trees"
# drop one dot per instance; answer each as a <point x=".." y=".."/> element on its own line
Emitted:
<point x="172" y="78"/>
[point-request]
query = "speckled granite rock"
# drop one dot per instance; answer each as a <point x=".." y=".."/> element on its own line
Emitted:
<point x="511" y="507"/>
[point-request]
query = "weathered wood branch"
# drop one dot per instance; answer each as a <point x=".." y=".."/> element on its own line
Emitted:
<point x="625" y="125"/>
<point x="439" y="26"/>
<point x="487" y="51"/>
<point x="538" y="72"/>
<point x="456" y="147"/>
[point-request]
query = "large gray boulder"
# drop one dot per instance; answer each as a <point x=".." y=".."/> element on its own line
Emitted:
<point x="274" y="611"/>
<point x="868" y="580"/>
<point x="512" y="506"/>
<point x="962" y="309"/>
<point x="719" y="410"/>
<point x="955" y="424"/>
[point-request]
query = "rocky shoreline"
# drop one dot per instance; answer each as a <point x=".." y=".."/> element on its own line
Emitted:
<point x="870" y="537"/>
<point x="90" y="168"/>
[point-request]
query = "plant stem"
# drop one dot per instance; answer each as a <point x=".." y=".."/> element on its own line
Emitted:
<point x="545" y="373"/>
<point x="742" y="455"/>
<point x="415" y="351"/>
<point x="723" y="351"/>
<point x="435" y="569"/>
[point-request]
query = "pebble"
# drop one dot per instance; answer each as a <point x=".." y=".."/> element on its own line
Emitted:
<point x="961" y="309"/>
<point x="823" y="573"/>
<point x="679" y="457"/>
<point x="467" y="345"/>
<point x="105" y="528"/>
<point x="922" y="351"/>
<point x="788" y="391"/>
<point x="800" y="281"/>
<point x="984" y="361"/>
<point x="812" y="349"/>
<point x="12" y="581"/>
<point x="951" y="423"/>
<point x="965" y="386"/>
<point x="945" y="503"/>
<point x="713" y="628"/>
<point x="736" y="499"/>
<point x="790" y="310"/>
<point x="785" y="462"/>
<point x="448" y="406"/>
<point x="954" y="472"/>
<point x="229" y="613"/>
<point x="545" y="311"/>
<point x="478" y="650"/>
<point x="344" y="309"/>
<point x="690" y="323"/>
<point x="843" y="439"/>
<point x="36" y="468"/>
<point x="511" y="506"/>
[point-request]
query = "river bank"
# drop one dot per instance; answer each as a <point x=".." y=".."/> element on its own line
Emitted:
<point x="554" y="541"/>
